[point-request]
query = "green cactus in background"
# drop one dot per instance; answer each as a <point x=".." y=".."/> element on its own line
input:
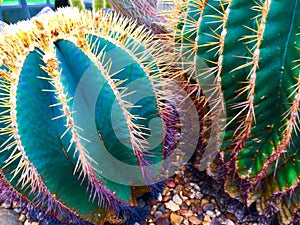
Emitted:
<point x="251" y="51"/>
<point x="145" y="12"/>
<point x="96" y="4"/>
<point x="48" y="65"/>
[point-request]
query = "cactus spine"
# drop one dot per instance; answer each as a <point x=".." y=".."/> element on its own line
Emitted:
<point x="252" y="51"/>
<point x="47" y="152"/>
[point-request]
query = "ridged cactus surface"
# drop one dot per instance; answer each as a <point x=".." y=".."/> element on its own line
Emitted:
<point x="251" y="51"/>
<point x="69" y="113"/>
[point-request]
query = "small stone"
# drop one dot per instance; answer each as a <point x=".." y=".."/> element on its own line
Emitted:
<point x="166" y="191"/>
<point x="178" y="188"/>
<point x="216" y="222"/>
<point x="186" y="222"/>
<point x="6" y="205"/>
<point x="18" y="210"/>
<point x="177" y="200"/>
<point x="199" y="195"/>
<point x="172" y="206"/>
<point x="175" y="219"/>
<point x="189" y="202"/>
<point x="218" y="213"/>
<point x="208" y="206"/>
<point x="210" y="213"/>
<point x="229" y="222"/>
<point x="207" y="218"/>
<point x="159" y="197"/>
<point x="170" y="183"/>
<point x="162" y="221"/>
<point x="136" y="223"/>
<point x="162" y="208"/>
<point x="22" y="218"/>
<point x="157" y="214"/>
<point x="194" y="220"/>
<point x="186" y="212"/>
<point x="204" y="202"/>
<point x="153" y="210"/>
<point x="167" y="198"/>
<point x="27" y="223"/>
<point x="10" y="217"/>
<point x="196" y="187"/>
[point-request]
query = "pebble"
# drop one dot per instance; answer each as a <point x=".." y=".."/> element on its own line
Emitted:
<point x="157" y="214"/>
<point x="170" y="183"/>
<point x="177" y="200"/>
<point x="208" y="206"/>
<point x="22" y="218"/>
<point x="162" y="221"/>
<point x="194" y="220"/>
<point x="172" y="206"/>
<point x="229" y="222"/>
<point x="210" y="213"/>
<point x="176" y="219"/>
<point x="10" y="217"/>
<point x="6" y="205"/>
<point x="159" y="197"/>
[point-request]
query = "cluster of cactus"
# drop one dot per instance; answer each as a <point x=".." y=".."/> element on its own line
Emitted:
<point x="249" y="54"/>
<point x="79" y="92"/>
<point x="244" y="56"/>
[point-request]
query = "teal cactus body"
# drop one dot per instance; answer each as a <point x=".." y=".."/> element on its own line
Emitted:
<point x="251" y="49"/>
<point x="78" y="93"/>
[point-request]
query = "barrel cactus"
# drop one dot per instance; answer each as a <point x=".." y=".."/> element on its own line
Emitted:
<point x="79" y="94"/>
<point x="250" y="51"/>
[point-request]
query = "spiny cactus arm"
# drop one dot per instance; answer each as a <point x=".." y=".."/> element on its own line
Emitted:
<point x="279" y="93"/>
<point x="100" y="4"/>
<point x="68" y="55"/>
<point x="138" y="97"/>
<point x="19" y="169"/>
<point x="77" y="3"/>
<point x="143" y="11"/>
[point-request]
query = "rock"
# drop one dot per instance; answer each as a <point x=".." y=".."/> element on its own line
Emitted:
<point x="208" y="206"/>
<point x="177" y="200"/>
<point x="22" y="218"/>
<point x="229" y="222"/>
<point x="186" y="222"/>
<point x="176" y="219"/>
<point x="186" y="212"/>
<point x="172" y="206"/>
<point x="207" y="219"/>
<point x="210" y="213"/>
<point x="6" y="205"/>
<point x="196" y="187"/>
<point x="157" y="214"/>
<point x="162" y="208"/>
<point x="166" y="191"/>
<point x="170" y="183"/>
<point x="194" y="220"/>
<point x="10" y="217"/>
<point x="159" y="197"/>
<point x="162" y="221"/>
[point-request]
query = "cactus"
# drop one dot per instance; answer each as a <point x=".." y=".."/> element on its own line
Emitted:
<point x="50" y="154"/>
<point x="251" y="51"/>
<point x="145" y="12"/>
<point x="96" y="4"/>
